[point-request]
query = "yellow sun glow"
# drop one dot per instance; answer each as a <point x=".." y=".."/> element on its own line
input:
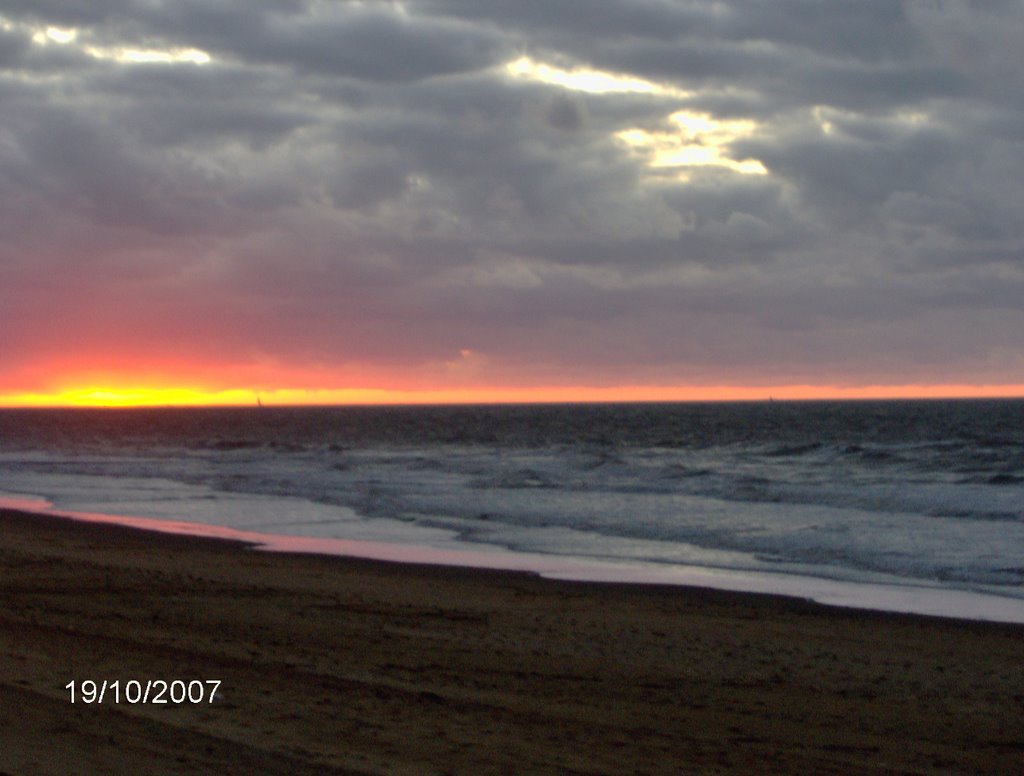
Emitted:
<point x="128" y="397"/>
<point x="194" y="397"/>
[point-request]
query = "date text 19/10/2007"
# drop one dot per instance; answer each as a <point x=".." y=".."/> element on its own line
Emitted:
<point x="136" y="691"/>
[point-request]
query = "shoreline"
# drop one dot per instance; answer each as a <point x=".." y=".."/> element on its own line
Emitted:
<point x="880" y="596"/>
<point x="347" y="665"/>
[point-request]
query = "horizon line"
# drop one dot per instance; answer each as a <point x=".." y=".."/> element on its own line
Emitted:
<point x="174" y="397"/>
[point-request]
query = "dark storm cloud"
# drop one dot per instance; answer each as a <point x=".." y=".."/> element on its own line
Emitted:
<point x="367" y="182"/>
<point x="169" y="106"/>
<point x="375" y="45"/>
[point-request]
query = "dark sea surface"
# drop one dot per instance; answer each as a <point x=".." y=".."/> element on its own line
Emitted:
<point x="913" y="493"/>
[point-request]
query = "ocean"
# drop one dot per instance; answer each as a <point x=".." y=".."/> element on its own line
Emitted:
<point x="903" y="505"/>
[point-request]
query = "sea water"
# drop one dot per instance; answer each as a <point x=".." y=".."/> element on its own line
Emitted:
<point x="907" y="505"/>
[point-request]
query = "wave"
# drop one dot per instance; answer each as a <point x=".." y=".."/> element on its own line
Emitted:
<point x="1005" y="479"/>
<point x="794" y="450"/>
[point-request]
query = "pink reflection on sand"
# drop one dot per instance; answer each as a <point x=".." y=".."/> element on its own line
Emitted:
<point x="25" y="504"/>
<point x="493" y="558"/>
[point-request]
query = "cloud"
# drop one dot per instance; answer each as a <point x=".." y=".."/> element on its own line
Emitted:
<point x="796" y="191"/>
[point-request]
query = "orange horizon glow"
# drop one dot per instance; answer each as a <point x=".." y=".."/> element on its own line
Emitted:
<point x="168" y="396"/>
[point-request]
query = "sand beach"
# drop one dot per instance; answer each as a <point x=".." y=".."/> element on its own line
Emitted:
<point x="335" y="665"/>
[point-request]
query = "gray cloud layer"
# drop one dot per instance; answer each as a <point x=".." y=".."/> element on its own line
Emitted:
<point x="369" y="184"/>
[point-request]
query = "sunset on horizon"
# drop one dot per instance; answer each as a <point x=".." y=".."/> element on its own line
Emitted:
<point x="331" y="202"/>
<point x="520" y="387"/>
<point x="141" y="396"/>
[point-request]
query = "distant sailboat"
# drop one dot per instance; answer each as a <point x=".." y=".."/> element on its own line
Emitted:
<point x="259" y="402"/>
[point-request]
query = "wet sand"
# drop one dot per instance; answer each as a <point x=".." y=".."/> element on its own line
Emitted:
<point x="334" y="665"/>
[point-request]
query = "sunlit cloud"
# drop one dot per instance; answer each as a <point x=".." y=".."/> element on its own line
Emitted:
<point x="124" y="54"/>
<point x="699" y="141"/>
<point x="149" y="56"/>
<point x="833" y="121"/>
<point x="588" y="80"/>
<point x="54" y="35"/>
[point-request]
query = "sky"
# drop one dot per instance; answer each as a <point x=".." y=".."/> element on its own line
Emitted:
<point x="510" y="199"/>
